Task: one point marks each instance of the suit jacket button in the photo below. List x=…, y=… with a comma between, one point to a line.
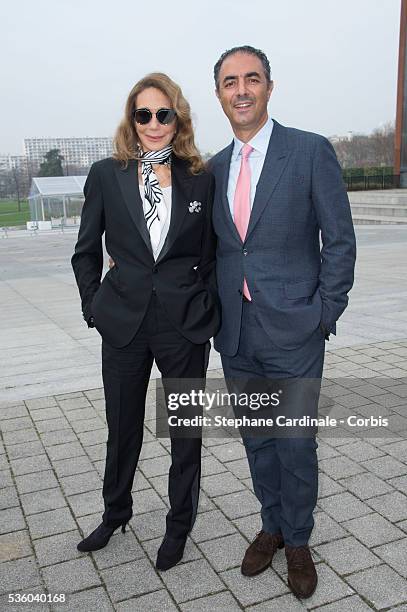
x=155, y=270
x=244, y=251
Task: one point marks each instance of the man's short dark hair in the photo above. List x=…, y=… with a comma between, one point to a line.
x=243, y=49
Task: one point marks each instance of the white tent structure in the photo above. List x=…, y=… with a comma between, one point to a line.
x=56, y=200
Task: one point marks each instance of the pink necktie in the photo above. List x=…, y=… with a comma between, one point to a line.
x=241, y=202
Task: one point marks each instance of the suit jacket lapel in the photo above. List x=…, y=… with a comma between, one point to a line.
x=276, y=160
x=128, y=181
x=224, y=172
x=181, y=194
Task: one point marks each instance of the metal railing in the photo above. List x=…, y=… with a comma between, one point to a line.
x=375, y=181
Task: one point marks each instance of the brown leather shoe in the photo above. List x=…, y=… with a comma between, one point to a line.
x=260, y=553
x=302, y=575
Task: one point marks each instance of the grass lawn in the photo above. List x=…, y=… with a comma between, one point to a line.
x=9, y=214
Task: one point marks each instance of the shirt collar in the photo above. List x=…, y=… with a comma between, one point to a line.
x=259, y=142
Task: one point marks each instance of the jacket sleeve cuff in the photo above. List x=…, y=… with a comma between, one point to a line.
x=88, y=317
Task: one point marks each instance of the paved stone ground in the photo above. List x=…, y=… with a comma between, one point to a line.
x=52, y=459
x=47, y=348
x=52, y=456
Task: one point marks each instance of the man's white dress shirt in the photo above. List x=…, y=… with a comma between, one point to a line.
x=260, y=143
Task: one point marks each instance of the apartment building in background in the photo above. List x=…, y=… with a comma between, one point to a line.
x=78, y=151
x=12, y=162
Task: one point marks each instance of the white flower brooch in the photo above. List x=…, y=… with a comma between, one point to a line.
x=195, y=207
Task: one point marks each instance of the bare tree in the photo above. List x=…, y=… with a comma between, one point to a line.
x=15, y=183
x=76, y=170
x=361, y=150
x=383, y=144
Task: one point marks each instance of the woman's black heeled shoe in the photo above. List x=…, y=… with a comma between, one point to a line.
x=98, y=538
x=170, y=553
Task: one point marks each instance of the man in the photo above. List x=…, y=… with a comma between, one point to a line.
x=277, y=190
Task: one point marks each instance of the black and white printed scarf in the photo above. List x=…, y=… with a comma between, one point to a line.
x=153, y=204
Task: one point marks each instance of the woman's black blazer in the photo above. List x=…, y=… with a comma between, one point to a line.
x=183, y=277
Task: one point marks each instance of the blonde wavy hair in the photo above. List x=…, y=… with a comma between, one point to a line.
x=125, y=143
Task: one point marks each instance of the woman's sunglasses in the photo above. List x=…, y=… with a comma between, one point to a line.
x=144, y=115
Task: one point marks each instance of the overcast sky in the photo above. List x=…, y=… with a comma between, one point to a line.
x=68, y=65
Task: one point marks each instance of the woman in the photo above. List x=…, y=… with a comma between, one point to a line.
x=153, y=202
